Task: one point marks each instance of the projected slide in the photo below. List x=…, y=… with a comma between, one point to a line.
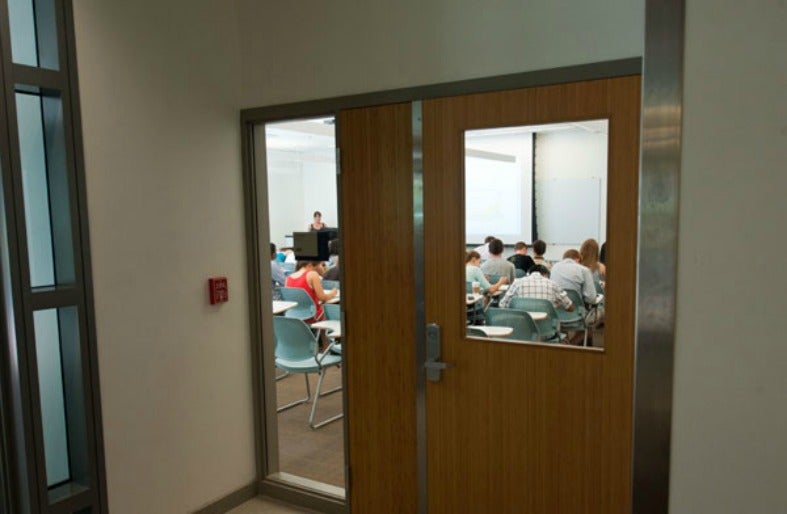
x=497, y=201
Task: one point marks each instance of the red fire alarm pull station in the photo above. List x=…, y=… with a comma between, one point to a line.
x=217, y=287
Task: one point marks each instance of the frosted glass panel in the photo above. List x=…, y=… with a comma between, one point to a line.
x=50, y=384
x=33, y=33
x=46, y=189
x=36, y=190
x=23, y=32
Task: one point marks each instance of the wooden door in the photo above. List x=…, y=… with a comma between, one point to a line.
x=537, y=429
x=376, y=182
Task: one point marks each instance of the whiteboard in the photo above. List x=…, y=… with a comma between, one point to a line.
x=567, y=210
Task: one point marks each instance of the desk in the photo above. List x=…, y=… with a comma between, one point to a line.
x=333, y=327
x=494, y=331
x=280, y=306
x=537, y=315
x=335, y=299
x=472, y=298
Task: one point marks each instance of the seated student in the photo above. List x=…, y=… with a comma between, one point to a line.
x=570, y=274
x=520, y=259
x=497, y=265
x=307, y=276
x=539, y=249
x=589, y=257
x=483, y=250
x=277, y=273
x=333, y=251
x=537, y=285
x=474, y=274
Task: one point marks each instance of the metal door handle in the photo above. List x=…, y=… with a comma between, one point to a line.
x=433, y=365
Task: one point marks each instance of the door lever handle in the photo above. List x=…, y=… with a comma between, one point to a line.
x=437, y=365
x=433, y=365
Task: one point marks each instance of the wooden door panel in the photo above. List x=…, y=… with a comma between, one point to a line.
x=529, y=428
x=376, y=183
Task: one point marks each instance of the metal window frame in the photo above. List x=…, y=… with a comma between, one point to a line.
x=27, y=489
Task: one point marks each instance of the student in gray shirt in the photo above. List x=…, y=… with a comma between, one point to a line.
x=570, y=274
x=496, y=264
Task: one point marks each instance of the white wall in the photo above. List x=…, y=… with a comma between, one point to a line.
x=159, y=95
x=296, y=52
x=571, y=154
x=285, y=199
x=298, y=186
x=730, y=423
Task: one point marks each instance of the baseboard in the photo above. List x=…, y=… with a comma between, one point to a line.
x=230, y=501
x=294, y=495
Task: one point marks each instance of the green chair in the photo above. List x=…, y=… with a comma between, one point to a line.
x=549, y=328
x=330, y=284
x=297, y=352
x=525, y=328
x=519, y=273
x=333, y=311
x=305, y=308
x=580, y=312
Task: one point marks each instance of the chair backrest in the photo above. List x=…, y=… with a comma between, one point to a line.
x=332, y=311
x=468, y=287
x=525, y=328
x=576, y=299
x=330, y=284
x=493, y=278
x=548, y=327
x=519, y=273
x=294, y=339
x=305, y=309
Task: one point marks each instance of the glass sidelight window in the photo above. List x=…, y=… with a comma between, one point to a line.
x=306, y=435
x=53, y=459
x=45, y=186
x=34, y=33
x=60, y=392
x=535, y=224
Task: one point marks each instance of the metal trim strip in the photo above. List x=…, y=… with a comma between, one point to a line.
x=660, y=154
x=420, y=305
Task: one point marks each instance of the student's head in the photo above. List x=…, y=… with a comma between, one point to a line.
x=309, y=266
x=602, y=254
x=572, y=254
x=540, y=269
x=489, y=239
x=333, y=247
x=317, y=216
x=472, y=257
x=589, y=253
x=539, y=247
x=520, y=247
x=496, y=247
x=273, y=251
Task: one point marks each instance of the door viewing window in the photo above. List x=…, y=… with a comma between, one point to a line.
x=535, y=225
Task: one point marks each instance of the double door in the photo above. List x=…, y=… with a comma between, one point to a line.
x=510, y=427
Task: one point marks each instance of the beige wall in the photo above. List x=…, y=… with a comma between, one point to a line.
x=342, y=47
x=730, y=422
x=159, y=84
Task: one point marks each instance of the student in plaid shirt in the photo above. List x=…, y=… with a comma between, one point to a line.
x=537, y=285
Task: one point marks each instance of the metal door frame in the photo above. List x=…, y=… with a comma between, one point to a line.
x=660, y=154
